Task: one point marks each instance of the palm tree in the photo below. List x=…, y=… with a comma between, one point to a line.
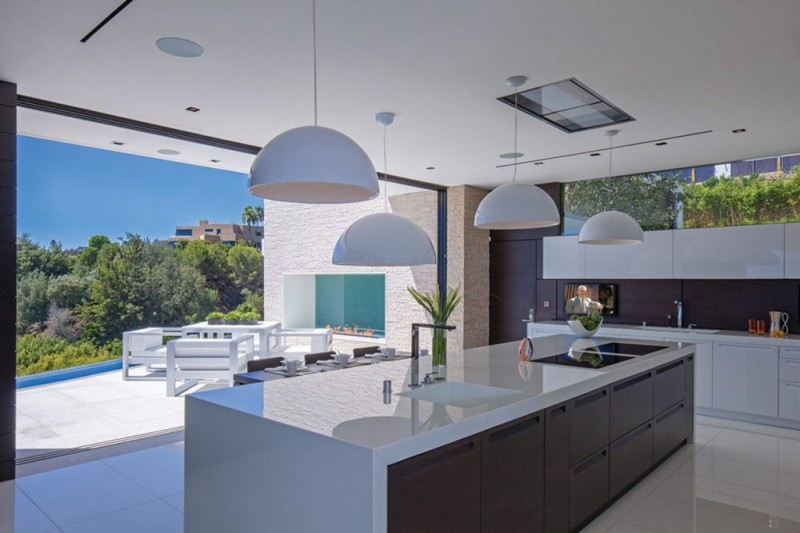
x=252, y=214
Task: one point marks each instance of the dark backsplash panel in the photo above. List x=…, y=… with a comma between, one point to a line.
x=716, y=304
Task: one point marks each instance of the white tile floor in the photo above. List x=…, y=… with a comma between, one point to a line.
x=736, y=477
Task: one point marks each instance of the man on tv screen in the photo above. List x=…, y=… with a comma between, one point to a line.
x=582, y=304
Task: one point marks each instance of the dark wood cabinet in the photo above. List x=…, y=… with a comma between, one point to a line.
x=437, y=491
x=669, y=385
x=669, y=431
x=588, y=424
x=630, y=457
x=556, y=469
x=512, y=476
x=631, y=404
x=551, y=471
x=588, y=488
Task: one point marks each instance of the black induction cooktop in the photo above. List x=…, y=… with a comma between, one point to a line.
x=601, y=355
x=590, y=358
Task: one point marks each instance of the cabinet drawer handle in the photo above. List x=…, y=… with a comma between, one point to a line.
x=667, y=368
x=635, y=433
x=513, y=430
x=445, y=456
x=632, y=382
x=589, y=462
x=558, y=411
x=793, y=385
x=590, y=399
x=792, y=361
x=678, y=408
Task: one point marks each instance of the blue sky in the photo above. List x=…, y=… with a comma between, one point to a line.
x=68, y=193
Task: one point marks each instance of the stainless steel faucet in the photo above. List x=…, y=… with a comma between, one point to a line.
x=679, y=318
x=415, y=348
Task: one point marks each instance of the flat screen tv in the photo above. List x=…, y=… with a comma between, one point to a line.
x=600, y=297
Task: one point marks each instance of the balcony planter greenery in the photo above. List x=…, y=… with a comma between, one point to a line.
x=215, y=318
x=234, y=318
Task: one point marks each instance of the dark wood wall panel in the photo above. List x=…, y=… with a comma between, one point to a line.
x=512, y=290
x=8, y=235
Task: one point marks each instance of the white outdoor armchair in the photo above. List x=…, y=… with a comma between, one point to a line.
x=146, y=347
x=193, y=360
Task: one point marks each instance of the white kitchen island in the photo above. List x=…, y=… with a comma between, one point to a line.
x=313, y=453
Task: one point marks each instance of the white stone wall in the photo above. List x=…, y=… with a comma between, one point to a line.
x=300, y=238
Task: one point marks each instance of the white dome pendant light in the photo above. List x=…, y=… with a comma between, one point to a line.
x=516, y=205
x=313, y=164
x=384, y=239
x=611, y=227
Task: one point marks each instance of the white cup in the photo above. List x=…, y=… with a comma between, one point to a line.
x=389, y=352
x=342, y=358
x=423, y=351
x=292, y=365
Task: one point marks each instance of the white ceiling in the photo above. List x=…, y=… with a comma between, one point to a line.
x=677, y=66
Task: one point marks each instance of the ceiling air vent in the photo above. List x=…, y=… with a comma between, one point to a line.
x=569, y=106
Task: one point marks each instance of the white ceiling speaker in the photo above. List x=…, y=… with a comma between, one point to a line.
x=384, y=239
x=312, y=164
x=516, y=205
x=611, y=227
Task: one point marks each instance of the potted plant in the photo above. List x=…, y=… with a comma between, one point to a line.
x=430, y=301
x=233, y=318
x=215, y=318
x=250, y=318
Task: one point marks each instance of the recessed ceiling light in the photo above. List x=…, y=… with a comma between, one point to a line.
x=168, y=151
x=662, y=143
x=117, y=143
x=176, y=46
x=594, y=154
x=739, y=130
x=538, y=163
x=193, y=109
x=430, y=168
x=512, y=155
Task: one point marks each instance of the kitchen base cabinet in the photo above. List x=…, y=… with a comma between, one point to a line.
x=512, y=462
x=588, y=488
x=631, y=404
x=556, y=469
x=630, y=458
x=588, y=424
x=746, y=378
x=437, y=491
x=669, y=431
x=789, y=387
x=669, y=384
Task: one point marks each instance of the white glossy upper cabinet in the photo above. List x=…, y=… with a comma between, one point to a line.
x=563, y=258
x=652, y=259
x=792, y=240
x=735, y=252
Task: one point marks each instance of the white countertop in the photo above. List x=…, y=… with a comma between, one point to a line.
x=637, y=331
x=348, y=405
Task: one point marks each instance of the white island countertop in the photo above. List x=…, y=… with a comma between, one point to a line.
x=349, y=405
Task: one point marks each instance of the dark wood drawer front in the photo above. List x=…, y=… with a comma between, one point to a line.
x=668, y=386
x=556, y=469
x=512, y=462
x=631, y=404
x=589, y=425
x=669, y=431
x=631, y=456
x=588, y=490
x=437, y=491
x=688, y=389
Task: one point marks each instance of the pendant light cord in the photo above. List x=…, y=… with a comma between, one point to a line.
x=610, y=154
x=314, y=32
x=385, y=167
x=516, y=154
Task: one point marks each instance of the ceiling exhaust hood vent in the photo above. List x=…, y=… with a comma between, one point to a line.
x=569, y=106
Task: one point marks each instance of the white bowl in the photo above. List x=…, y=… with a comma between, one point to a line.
x=581, y=331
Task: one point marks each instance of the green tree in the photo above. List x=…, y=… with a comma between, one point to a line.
x=211, y=260
x=246, y=267
x=69, y=291
x=32, y=301
x=91, y=252
x=652, y=199
x=31, y=257
x=253, y=215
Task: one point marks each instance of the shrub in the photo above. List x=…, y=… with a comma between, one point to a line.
x=43, y=353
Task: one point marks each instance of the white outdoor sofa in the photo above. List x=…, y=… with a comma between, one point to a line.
x=146, y=347
x=193, y=360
